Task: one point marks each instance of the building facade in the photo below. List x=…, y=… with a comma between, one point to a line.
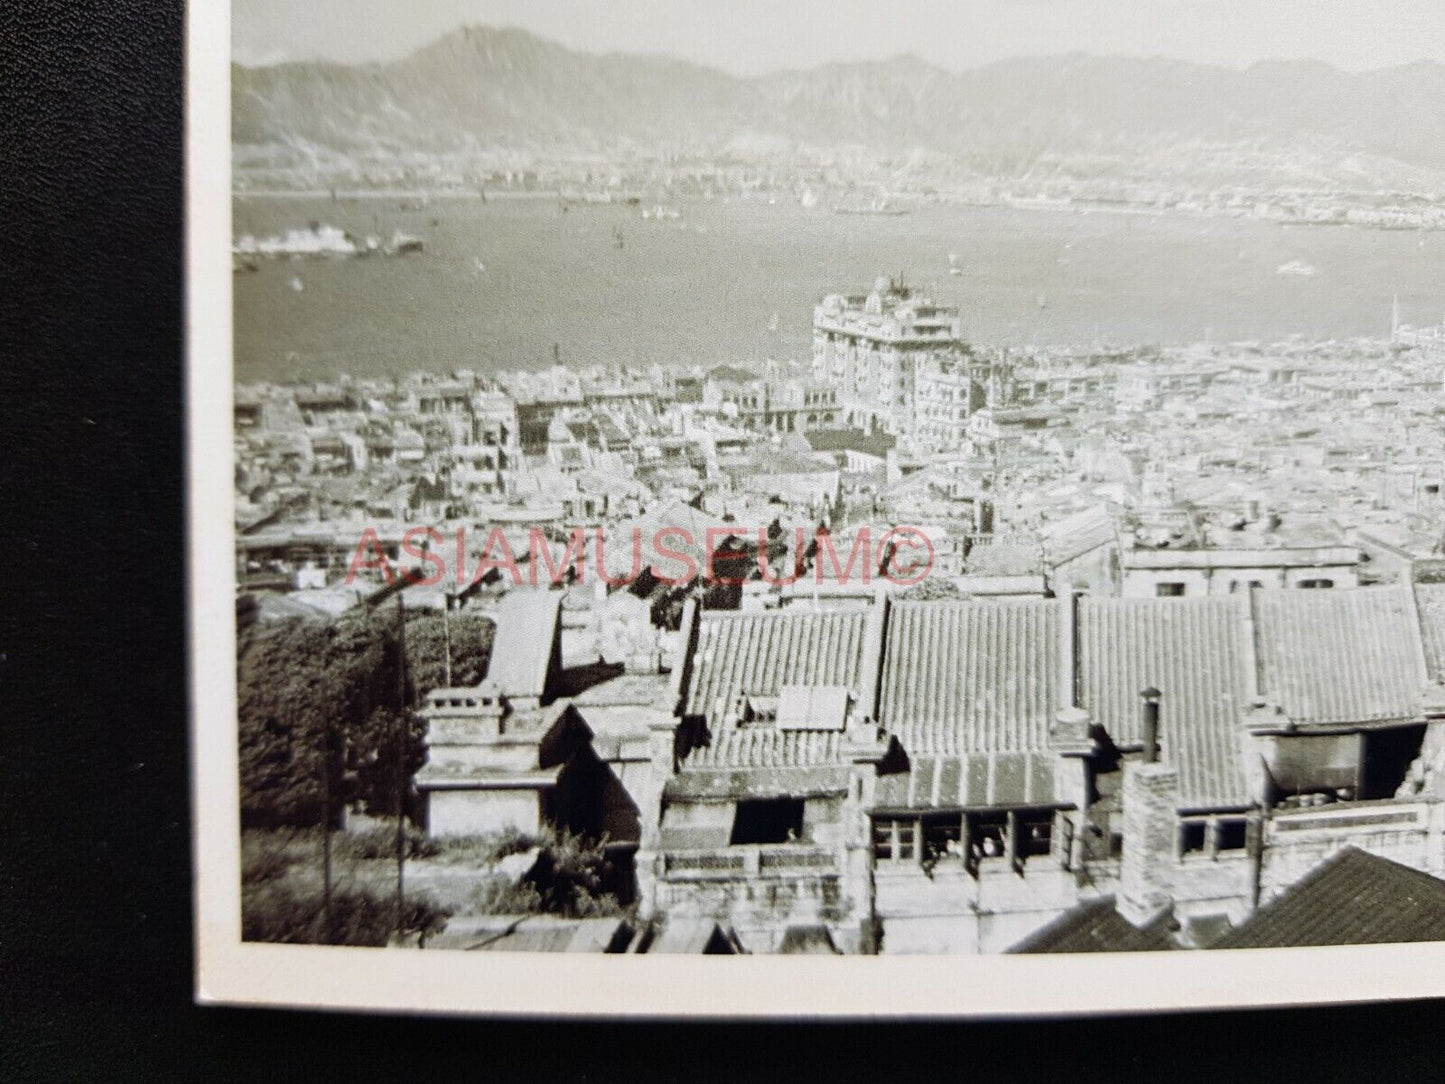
x=899, y=363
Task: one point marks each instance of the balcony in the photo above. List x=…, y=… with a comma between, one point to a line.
x=748, y=862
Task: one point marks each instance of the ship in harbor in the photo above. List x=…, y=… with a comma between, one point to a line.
x=879, y=206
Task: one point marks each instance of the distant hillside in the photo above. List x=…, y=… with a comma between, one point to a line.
x=480, y=92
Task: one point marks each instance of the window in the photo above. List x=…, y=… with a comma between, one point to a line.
x=1036, y=835
x=771, y=820
x=1213, y=836
x=1193, y=837
x=1316, y=584
x=1168, y=590
x=1233, y=834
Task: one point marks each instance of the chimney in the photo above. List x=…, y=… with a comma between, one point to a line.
x=1150, y=798
x=1151, y=724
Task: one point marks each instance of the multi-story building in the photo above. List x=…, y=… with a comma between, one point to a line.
x=954, y=776
x=899, y=363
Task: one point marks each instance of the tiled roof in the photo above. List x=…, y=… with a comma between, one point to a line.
x=1096, y=926
x=1348, y=656
x=765, y=747
x=840, y=440
x=807, y=941
x=759, y=653
x=1013, y=558
x=1078, y=534
x=527, y=624
x=1430, y=599
x=970, y=677
x=977, y=781
x=1194, y=652
x=1352, y=898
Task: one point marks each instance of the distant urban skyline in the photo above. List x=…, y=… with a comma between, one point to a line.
x=752, y=37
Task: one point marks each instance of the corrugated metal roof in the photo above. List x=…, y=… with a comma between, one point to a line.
x=760, y=653
x=971, y=677
x=1194, y=652
x=1352, y=898
x=1349, y=656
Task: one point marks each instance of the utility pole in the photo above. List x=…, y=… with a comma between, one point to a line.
x=447, y=636
x=326, y=835
x=399, y=754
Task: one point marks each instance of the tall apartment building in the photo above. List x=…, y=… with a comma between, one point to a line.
x=899, y=363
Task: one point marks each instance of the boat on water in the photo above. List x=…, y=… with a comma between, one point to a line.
x=879, y=206
x=402, y=243
x=953, y=268
x=659, y=213
x=809, y=199
x=774, y=324
x=318, y=241
x=1296, y=269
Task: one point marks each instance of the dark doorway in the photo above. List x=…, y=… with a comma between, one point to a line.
x=1386, y=757
x=771, y=820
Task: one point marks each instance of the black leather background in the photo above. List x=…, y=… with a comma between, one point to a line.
x=94, y=913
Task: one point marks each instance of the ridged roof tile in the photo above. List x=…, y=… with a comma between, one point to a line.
x=971, y=677
x=757, y=654
x=1351, y=656
x=1430, y=598
x=1194, y=652
x=765, y=747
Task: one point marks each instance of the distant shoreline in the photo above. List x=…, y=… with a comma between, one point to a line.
x=389, y=193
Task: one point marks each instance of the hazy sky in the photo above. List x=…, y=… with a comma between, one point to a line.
x=752, y=36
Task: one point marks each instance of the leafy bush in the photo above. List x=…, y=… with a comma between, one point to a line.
x=262, y=865
x=380, y=842
x=503, y=896
x=570, y=879
x=277, y=913
x=570, y=875
x=483, y=850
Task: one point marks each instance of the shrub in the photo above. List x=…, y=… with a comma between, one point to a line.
x=263, y=865
x=502, y=896
x=380, y=842
x=570, y=876
x=483, y=850
x=277, y=913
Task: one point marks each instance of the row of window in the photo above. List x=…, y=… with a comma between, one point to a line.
x=931, y=838
x=1174, y=589
x=1213, y=835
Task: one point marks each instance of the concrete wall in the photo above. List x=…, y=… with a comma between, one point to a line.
x=481, y=812
x=1230, y=579
x=953, y=912
x=1411, y=833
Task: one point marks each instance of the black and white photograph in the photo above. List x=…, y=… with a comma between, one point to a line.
x=961, y=483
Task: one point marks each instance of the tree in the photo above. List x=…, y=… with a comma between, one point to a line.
x=932, y=589
x=305, y=690
x=318, y=703
x=426, y=644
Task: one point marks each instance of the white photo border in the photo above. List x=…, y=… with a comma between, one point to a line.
x=231, y=972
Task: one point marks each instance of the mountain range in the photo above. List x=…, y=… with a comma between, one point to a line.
x=481, y=92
